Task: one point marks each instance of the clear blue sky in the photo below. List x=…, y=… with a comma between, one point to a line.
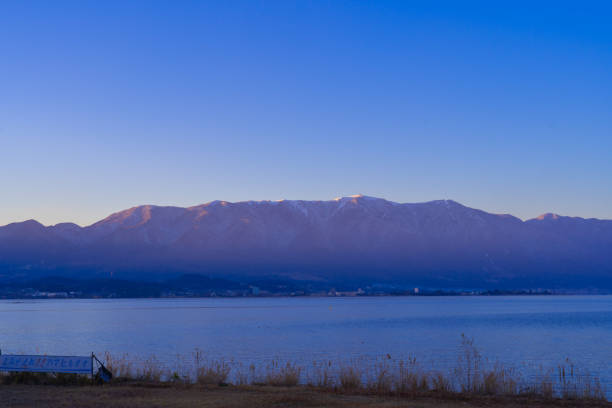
x=109, y=104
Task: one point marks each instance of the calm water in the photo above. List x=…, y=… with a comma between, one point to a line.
x=520, y=331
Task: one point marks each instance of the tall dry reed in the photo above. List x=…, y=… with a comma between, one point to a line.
x=471, y=375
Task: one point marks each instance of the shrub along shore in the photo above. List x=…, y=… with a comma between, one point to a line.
x=471, y=378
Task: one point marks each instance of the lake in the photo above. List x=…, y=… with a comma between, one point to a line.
x=525, y=332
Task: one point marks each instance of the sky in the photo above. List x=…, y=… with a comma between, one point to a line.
x=502, y=106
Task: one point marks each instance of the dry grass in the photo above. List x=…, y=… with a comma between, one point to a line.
x=120, y=366
x=350, y=378
x=287, y=375
x=208, y=372
x=576, y=385
x=215, y=374
x=410, y=378
x=499, y=381
x=472, y=377
x=441, y=384
x=322, y=375
x=151, y=370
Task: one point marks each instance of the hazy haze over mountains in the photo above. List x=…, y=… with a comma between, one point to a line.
x=440, y=244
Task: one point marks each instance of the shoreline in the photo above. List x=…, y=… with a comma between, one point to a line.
x=286, y=296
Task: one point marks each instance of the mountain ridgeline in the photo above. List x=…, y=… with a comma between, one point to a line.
x=355, y=240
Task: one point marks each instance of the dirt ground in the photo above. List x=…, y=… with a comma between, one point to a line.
x=136, y=396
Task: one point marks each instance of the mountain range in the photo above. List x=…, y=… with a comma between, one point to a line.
x=356, y=239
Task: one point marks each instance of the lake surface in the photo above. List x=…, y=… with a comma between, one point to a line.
x=520, y=331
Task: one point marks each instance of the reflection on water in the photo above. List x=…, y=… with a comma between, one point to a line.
x=534, y=330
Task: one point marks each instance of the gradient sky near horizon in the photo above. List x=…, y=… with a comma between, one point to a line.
x=503, y=106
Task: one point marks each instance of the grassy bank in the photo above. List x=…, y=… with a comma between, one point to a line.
x=472, y=375
x=166, y=395
x=387, y=381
